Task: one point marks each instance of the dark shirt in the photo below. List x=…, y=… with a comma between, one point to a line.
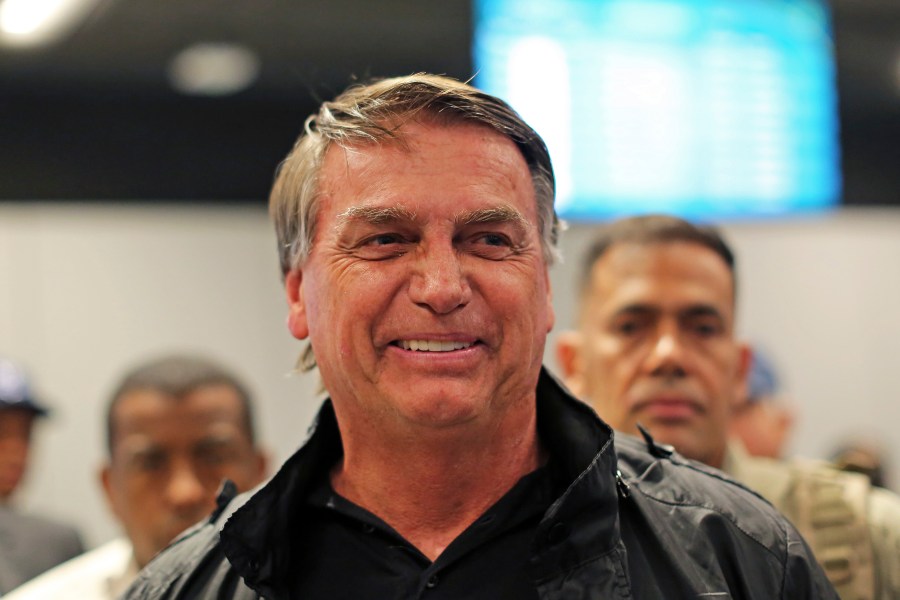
x=348, y=552
x=634, y=521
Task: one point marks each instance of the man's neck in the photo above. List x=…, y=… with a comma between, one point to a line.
x=431, y=489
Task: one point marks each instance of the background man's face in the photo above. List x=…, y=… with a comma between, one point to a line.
x=169, y=457
x=657, y=345
x=425, y=296
x=15, y=436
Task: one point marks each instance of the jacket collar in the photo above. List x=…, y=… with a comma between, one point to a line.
x=579, y=443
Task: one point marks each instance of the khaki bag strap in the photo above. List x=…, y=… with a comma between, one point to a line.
x=829, y=508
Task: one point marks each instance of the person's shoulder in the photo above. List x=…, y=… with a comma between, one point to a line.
x=829, y=496
x=84, y=577
x=702, y=514
x=190, y=563
x=42, y=524
x=180, y=560
x=697, y=515
x=659, y=469
x=44, y=533
x=884, y=526
x=884, y=511
x=847, y=519
x=662, y=475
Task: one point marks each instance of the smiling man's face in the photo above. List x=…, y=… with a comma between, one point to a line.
x=425, y=295
x=657, y=347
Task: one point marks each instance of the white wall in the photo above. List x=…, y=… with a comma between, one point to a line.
x=90, y=289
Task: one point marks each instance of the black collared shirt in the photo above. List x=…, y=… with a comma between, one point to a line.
x=344, y=551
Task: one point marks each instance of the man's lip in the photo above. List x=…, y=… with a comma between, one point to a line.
x=669, y=408
x=435, y=343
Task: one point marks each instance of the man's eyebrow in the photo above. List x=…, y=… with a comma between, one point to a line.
x=218, y=437
x=693, y=310
x=702, y=310
x=495, y=214
x=376, y=215
x=136, y=449
x=636, y=308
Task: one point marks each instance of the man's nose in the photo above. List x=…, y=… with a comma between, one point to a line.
x=667, y=356
x=185, y=490
x=438, y=281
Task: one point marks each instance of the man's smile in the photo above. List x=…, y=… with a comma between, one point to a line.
x=432, y=345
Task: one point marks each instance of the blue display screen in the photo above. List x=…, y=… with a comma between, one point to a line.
x=704, y=108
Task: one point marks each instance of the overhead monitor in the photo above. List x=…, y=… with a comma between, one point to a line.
x=706, y=108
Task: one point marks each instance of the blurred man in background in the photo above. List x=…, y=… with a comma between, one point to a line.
x=176, y=428
x=656, y=347
x=763, y=422
x=29, y=545
x=762, y=426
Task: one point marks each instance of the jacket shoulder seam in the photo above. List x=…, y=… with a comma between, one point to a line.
x=729, y=518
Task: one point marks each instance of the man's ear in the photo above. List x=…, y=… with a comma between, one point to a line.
x=109, y=491
x=296, y=321
x=551, y=314
x=742, y=376
x=569, y=357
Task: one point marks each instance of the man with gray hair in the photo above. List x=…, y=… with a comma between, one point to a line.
x=416, y=226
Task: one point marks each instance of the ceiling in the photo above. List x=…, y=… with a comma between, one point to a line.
x=94, y=116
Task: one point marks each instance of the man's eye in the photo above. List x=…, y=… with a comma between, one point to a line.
x=215, y=456
x=494, y=239
x=706, y=329
x=381, y=246
x=384, y=239
x=627, y=328
x=149, y=462
x=490, y=245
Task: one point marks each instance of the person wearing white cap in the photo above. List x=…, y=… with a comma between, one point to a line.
x=29, y=545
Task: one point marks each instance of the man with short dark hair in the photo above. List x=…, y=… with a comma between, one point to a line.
x=29, y=545
x=177, y=427
x=656, y=347
x=415, y=224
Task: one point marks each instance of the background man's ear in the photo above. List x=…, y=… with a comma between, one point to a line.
x=742, y=377
x=296, y=321
x=109, y=491
x=569, y=345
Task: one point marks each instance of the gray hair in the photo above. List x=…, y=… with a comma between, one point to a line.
x=374, y=112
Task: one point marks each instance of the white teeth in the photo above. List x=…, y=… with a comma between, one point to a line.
x=432, y=345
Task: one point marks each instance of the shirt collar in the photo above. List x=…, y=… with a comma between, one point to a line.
x=580, y=444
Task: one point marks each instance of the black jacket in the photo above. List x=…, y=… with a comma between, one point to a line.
x=637, y=521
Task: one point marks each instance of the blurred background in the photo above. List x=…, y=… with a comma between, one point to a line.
x=138, y=139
